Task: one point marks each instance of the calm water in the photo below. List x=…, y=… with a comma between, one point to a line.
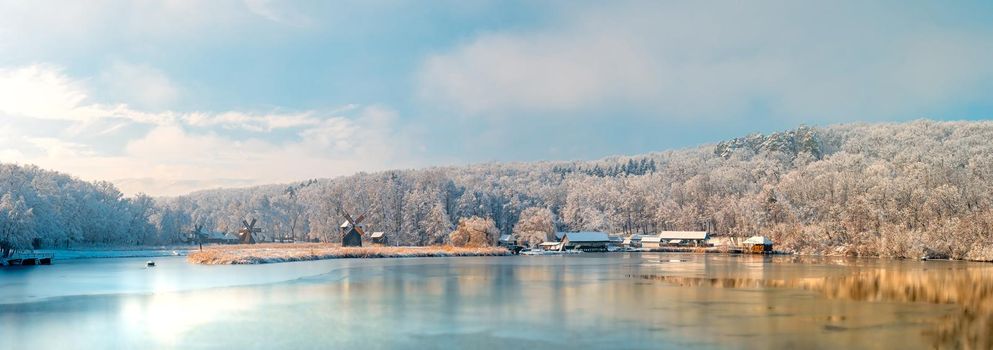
x=596, y=301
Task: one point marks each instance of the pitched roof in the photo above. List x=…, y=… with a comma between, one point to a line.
x=651, y=239
x=758, y=240
x=586, y=236
x=378, y=234
x=217, y=235
x=691, y=235
x=506, y=238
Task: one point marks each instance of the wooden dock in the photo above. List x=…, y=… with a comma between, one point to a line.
x=28, y=259
x=720, y=250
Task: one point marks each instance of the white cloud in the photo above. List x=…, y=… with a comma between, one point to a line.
x=252, y=122
x=280, y=13
x=59, y=149
x=696, y=59
x=39, y=90
x=188, y=151
x=139, y=85
x=46, y=92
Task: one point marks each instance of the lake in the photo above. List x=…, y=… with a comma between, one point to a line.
x=582, y=301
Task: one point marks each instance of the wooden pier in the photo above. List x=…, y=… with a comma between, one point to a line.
x=28, y=259
x=720, y=250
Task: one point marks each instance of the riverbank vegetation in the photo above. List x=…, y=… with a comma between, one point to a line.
x=272, y=253
x=914, y=189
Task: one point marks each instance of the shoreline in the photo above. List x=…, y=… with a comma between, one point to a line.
x=274, y=253
x=112, y=253
x=288, y=252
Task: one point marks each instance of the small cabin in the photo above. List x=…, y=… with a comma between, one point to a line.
x=757, y=244
x=379, y=238
x=507, y=241
x=220, y=238
x=584, y=241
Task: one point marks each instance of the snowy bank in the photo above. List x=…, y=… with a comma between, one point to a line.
x=274, y=253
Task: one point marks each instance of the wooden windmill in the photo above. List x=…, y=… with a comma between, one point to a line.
x=351, y=230
x=197, y=236
x=246, y=235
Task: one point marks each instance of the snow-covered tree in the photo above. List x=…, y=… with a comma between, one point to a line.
x=535, y=226
x=436, y=224
x=16, y=225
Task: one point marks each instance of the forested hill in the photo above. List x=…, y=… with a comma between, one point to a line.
x=904, y=189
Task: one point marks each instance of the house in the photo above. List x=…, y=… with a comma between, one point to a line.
x=507, y=241
x=379, y=238
x=220, y=237
x=757, y=244
x=584, y=241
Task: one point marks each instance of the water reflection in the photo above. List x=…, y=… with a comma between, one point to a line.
x=970, y=289
x=587, y=301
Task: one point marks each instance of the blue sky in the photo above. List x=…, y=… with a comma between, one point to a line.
x=166, y=97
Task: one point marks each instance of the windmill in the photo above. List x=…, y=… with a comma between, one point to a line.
x=246, y=234
x=351, y=230
x=196, y=236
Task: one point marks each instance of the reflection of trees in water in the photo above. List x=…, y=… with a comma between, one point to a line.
x=970, y=289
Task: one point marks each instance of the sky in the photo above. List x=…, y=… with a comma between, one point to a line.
x=168, y=97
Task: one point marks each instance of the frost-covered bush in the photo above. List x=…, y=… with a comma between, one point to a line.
x=474, y=232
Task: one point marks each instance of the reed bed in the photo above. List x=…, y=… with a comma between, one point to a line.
x=276, y=252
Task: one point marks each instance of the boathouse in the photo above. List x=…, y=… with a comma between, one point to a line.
x=507, y=241
x=584, y=241
x=634, y=241
x=682, y=238
x=650, y=242
x=616, y=241
x=757, y=244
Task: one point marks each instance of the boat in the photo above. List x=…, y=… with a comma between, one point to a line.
x=150, y=264
x=548, y=252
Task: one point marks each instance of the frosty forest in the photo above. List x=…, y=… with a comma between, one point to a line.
x=901, y=190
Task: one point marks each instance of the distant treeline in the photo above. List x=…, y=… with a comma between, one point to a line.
x=906, y=189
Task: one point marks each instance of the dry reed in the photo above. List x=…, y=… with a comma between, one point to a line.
x=276, y=252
